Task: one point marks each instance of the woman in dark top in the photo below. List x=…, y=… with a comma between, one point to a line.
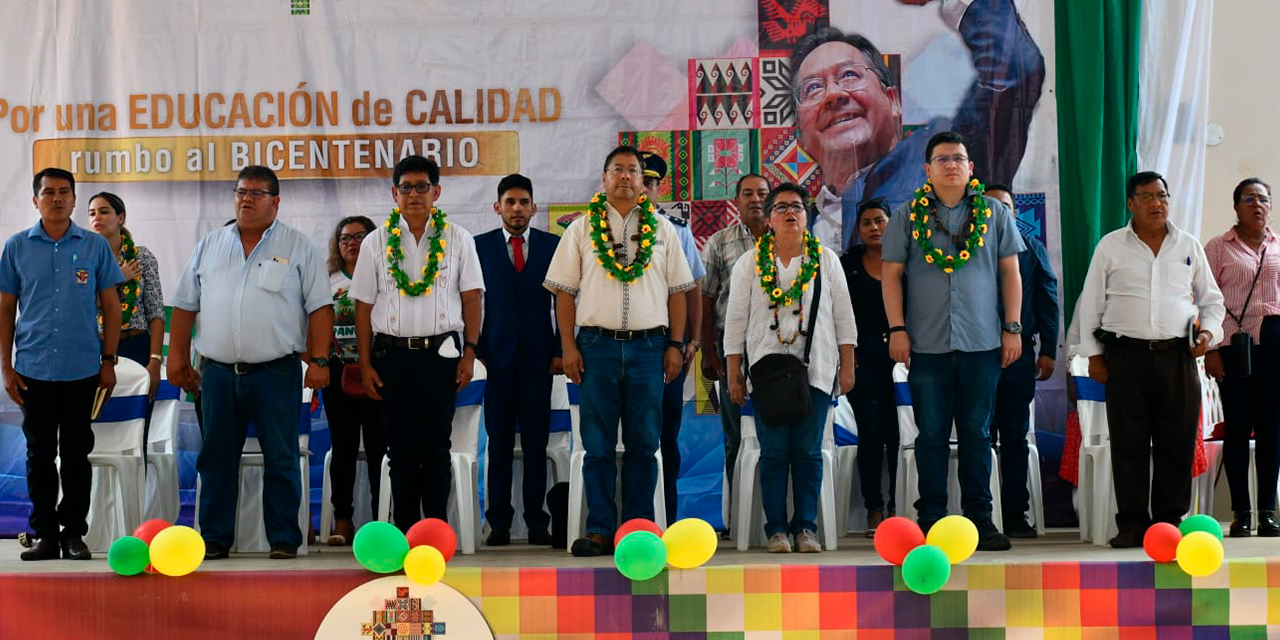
x=872, y=398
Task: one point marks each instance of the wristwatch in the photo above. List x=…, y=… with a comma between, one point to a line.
x=474, y=347
x=1012, y=327
x=112, y=358
x=320, y=362
x=679, y=346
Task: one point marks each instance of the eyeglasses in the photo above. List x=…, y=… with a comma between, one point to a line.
x=1147, y=196
x=946, y=160
x=421, y=187
x=619, y=171
x=787, y=207
x=850, y=77
x=348, y=238
x=252, y=194
x=1262, y=200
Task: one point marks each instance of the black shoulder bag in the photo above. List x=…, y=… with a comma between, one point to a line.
x=780, y=381
x=1238, y=357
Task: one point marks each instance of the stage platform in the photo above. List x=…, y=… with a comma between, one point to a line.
x=1051, y=588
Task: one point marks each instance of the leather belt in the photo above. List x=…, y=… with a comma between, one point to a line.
x=625, y=334
x=1153, y=345
x=413, y=343
x=242, y=368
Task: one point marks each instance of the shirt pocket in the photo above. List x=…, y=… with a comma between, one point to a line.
x=1177, y=276
x=272, y=275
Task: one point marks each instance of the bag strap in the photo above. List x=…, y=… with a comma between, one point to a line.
x=1262, y=261
x=813, y=310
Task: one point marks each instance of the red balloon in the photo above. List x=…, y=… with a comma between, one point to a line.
x=896, y=537
x=433, y=532
x=635, y=524
x=1161, y=542
x=148, y=530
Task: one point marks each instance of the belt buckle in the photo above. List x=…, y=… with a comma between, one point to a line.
x=421, y=345
x=617, y=335
x=235, y=367
x=1151, y=344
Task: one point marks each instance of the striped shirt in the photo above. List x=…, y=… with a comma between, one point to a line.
x=1234, y=265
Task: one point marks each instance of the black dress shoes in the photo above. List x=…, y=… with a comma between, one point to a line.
x=44, y=549
x=539, y=538
x=74, y=548
x=498, y=538
x=1267, y=525
x=1240, y=527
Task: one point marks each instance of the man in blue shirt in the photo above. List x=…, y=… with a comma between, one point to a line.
x=655, y=169
x=58, y=275
x=1017, y=388
x=267, y=293
x=951, y=335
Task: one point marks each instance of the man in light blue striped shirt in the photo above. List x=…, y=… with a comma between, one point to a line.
x=267, y=294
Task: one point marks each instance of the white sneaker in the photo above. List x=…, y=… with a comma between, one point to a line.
x=807, y=542
x=779, y=543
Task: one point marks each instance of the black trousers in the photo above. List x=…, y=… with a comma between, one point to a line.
x=1153, y=409
x=418, y=396
x=877, y=414
x=1251, y=407
x=1009, y=425
x=348, y=418
x=519, y=395
x=56, y=423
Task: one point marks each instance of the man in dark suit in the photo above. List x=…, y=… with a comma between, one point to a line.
x=520, y=349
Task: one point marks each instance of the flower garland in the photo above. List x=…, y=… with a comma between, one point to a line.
x=598, y=229
x=922, y=207
x=767, y=269
x=129, y=290
x=435, y=253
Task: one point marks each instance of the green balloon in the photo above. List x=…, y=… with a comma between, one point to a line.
x=1201, y=522
x=128, y=556
x=641, y=555
x=926, y=569
x=380, y=547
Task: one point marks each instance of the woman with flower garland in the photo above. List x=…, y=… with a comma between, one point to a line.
x=141, y=298
x=769, y=312
x=349, y=414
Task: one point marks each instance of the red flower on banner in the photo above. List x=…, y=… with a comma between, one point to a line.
x=727, y=153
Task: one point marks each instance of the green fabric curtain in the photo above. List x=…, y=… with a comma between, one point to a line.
x=1097, y=44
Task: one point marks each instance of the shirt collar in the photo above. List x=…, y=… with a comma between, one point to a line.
x=37, y=231
x=1171, y=228
x=507, y=235
x=1231, y=235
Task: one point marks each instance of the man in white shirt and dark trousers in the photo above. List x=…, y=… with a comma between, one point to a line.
x=1149, y=308
x=418, y=289
x=620, y=277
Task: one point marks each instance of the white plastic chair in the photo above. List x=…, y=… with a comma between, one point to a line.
x=251, y=531
x=116, y=459
x=464, y=496
x=845, y=427
x=749, y=526
x=160, y=488
x=1095, y=490
x=577, y=521
x=908, y=476
x=558, y=445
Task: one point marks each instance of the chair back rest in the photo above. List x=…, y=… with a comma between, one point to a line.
x=907, y=429
x=1091, y=404
x=846, y=425
x=122, y=418
x=466, y=413
x=561, y=420
x=164, y=417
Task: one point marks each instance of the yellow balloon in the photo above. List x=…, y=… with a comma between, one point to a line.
x=424, y=564
x=177, y=551
x=956, y=536
x=690, y=543
x=1200, y=553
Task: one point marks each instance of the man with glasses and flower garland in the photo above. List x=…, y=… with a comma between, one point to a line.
x=849, y=111
x=620, y=278
x=418, y=289
x=265, y=298
x=953, y=244
x=1149, y=307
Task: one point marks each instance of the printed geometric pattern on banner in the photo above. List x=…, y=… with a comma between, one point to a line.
x=675, y=147
x=299, y=7
x=720, y=158
x=1030, y=215
x=561, y=214
x=776, y=106
x=783, y=23
x=1051, y=600
x=782, y=160
x=724, y=93
x=710, y=216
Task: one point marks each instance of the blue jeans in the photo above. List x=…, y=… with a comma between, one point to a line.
x=268, y=397
x=797, y=447
x=957, y=387
x=622, y=380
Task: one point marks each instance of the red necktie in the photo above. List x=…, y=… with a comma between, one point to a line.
x=517, y=252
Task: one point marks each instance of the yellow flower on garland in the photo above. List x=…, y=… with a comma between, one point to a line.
x=777, y=292
x=644, y=243
x=947, y=270
x=395, y=232
x=981, y=242
x=912, y=217
x=767, y=278
x=124, y=307
x=973, y=183
x=924, y=202
x=984, y=228
x=645, y=228
x=964, y=255
x=915, y=235
x=928, y=258
x=928, y=188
